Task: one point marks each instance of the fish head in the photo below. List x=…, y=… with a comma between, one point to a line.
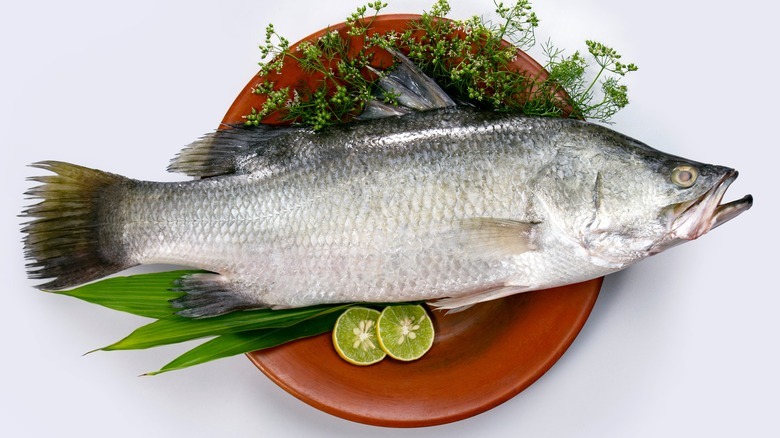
x=626, y=201
x=672, y=199
x=697, y=206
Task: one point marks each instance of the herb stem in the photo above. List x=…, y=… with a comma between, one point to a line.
x=593, y=82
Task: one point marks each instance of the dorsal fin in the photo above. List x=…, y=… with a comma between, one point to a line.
x=412, y=89
x=408, y=79
x=376, y=109
x=220, y=152
x=217, y=153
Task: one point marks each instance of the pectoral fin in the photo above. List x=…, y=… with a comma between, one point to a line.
x=457, y=304
x=498, y=237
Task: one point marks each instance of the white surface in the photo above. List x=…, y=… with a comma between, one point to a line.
x=684, y=344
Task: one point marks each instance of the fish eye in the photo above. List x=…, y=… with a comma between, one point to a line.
x=684, y=176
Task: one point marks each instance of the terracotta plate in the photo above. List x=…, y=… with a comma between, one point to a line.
x=481, y=357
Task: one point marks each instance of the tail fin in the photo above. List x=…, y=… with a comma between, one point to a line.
x=62, y=241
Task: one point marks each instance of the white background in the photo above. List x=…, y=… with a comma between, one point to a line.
x=683, y=344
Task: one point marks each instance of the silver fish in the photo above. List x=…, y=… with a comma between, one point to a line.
x=453, y=206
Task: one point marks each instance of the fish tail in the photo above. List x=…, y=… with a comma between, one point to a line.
x=62, y=241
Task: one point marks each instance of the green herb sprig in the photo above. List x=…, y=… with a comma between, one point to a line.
x=469, y=58
x=344, y=84
x=569, y=73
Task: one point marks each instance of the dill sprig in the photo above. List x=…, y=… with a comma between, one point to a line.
x=570, y=72
x=469, y=58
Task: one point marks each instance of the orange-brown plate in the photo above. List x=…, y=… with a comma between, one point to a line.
x=480, y=358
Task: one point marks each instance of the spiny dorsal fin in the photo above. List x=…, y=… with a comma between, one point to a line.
x=217, y=153
x=413, y=90
x=412, y=80
x=376, y=109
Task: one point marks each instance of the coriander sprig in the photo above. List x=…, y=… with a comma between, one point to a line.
x=343, y=82
x=468, y=58
x=519, y=23
x=570, y=73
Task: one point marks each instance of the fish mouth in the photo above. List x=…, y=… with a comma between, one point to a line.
x=699, y=216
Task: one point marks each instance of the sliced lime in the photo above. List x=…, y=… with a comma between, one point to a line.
x=405, y=332
x=354, y=336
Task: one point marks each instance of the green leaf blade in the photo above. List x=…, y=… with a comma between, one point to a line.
x=143, y=294
x=245, y=342
x=173, y=328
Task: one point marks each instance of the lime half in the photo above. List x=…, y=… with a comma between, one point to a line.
x=405, y=332
x=354, y=336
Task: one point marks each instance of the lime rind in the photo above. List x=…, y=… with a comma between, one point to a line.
x=405, y=332
x=355, y=338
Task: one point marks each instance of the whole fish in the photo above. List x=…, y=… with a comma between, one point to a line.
x=453, y=206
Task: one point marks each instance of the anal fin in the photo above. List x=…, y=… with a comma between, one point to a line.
x=207, y=295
